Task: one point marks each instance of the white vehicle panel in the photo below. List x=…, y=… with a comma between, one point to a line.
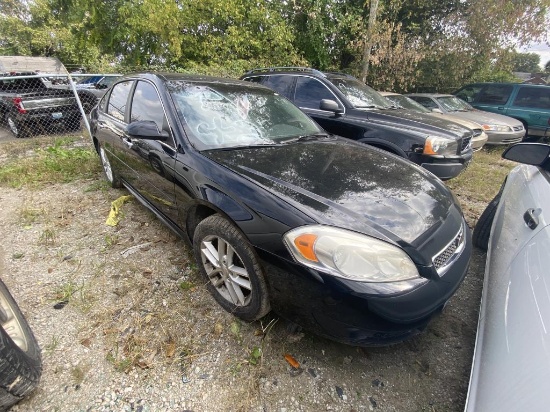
x=511, y=369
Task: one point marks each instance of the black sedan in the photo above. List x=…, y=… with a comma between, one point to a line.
x=346, y=240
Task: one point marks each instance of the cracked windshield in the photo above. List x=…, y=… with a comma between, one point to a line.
x=361, y=95
x=228, y=117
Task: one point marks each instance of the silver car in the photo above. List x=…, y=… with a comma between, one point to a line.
x=511, y=366
x=404, y=102
x=501, y=130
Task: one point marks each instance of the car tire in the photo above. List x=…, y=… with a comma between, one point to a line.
x=16, y=128
x=237, y=283
x=20, y=360
x=110, y=174
x=482, y=230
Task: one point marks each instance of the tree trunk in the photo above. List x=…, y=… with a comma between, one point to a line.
x=367, y=46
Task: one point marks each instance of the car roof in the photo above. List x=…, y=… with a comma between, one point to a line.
x=198, y=78
x=431, y=94
x=299, y=70
x=389, y=93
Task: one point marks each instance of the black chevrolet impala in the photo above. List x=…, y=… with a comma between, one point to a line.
x=343, y=239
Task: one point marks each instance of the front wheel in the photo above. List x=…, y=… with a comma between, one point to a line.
x=230, y=266
x=482, y=230
x=20, y=361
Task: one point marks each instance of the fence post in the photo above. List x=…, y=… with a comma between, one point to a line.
x=73, y=88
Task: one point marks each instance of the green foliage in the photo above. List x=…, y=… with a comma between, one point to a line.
x=525, y=62
x=54, y=164
x=410, y=44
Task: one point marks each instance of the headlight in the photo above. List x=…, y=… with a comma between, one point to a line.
x=349, y=255
x=440, y=146
x=496, y=127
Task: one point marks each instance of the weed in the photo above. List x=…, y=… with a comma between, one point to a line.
x=111, y=240
x=29, y=215
x=47, y=237
x=185, y=285
x=78, y=375
x=18, y=255
x=52, y=345
x=66, y=291
x=255, y=355
x=99, y=185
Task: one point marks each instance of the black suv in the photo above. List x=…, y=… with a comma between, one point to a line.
x=343, y=105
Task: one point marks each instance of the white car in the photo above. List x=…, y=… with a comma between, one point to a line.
x=511, y=365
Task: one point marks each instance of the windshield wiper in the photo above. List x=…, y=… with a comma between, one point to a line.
x=307, y=137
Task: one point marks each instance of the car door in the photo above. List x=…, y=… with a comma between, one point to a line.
x=531, y=105
x=494, y=98
x=111, y=124
x=308, y=94
x=513, y=340
x=151, y=161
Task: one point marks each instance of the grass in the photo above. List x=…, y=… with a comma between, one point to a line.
x=482, y=179
x=41, y=161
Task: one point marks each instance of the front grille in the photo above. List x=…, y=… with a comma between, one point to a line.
x=466, y=142
x=517, y=128
x=445, y=257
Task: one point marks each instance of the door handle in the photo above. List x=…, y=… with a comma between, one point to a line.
x=500, y=108
x=531, y=218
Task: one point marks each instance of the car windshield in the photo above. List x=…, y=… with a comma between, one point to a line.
x=360, y=95
x=219, y=115
x=407, y=103
x=454, y=104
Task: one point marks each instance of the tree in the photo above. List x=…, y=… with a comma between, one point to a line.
x=525, y=62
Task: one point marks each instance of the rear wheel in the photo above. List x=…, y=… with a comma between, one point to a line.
x=16, y=128
x=110, y=173
x=20, y=361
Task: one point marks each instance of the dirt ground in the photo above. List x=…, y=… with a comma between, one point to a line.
x=125, y=324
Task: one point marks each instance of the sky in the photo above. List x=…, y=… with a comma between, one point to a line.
x=542, y=49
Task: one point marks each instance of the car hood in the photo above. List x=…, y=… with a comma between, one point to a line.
x=482, y=117
x=346, y=184
x=470, y=124
x=421, y=123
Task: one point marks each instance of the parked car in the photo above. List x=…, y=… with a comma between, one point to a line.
x=501, y=130
x=404, y=102
x=28, y=106
x=341, y=238
x=343, y=105
x=20, y=357
x=511, y=367
x=528, y=103
x=100, y=87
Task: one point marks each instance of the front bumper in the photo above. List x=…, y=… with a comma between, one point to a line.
x=351, y=312
x=504, y=138
x=444, y=167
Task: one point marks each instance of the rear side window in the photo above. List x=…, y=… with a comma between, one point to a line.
x=469, y=93
x=494, y=94
x=310, y=92
x=425, y=101
x=119, y=99
x=537, y=97
x=281, y=84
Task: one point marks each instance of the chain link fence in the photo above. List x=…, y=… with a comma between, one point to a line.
x=49, y=104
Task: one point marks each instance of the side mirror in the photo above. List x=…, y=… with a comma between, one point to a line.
x=331, y=106
x=536, y=154
x=435, y=110
x=147, y=130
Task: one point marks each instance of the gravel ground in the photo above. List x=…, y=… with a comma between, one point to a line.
x=125, y=324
